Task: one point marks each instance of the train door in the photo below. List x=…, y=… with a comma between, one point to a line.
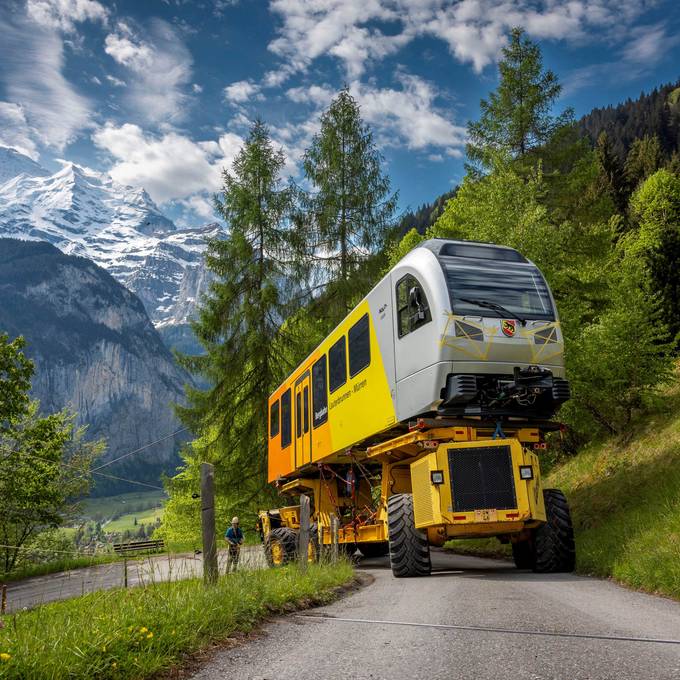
x=303, y=430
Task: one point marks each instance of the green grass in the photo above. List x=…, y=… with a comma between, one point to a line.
x=127, y=522
x=105, y=507
x=138, y=632
x=29, y=570
x=624, y=495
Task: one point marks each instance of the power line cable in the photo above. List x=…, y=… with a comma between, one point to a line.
x=141, y=448
x=94, y=472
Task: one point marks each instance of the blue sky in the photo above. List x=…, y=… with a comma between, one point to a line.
x=160, y=92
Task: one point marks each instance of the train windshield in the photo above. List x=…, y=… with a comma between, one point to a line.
x=502, y=290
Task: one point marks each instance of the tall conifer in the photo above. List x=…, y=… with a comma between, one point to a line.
x=350, y=208
x=517, y=117
x=240, y=318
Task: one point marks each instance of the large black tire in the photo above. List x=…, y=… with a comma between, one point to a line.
x=523, y=554
x=409, y=549
x=280, y=546
x=376, y=549
x=554, y=548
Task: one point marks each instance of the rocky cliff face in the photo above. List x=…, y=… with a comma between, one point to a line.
x=96, y=351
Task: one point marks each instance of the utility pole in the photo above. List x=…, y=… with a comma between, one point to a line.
x=303, y=546
x=208, y=523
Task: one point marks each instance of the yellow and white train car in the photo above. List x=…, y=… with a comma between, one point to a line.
x=455, y=329
x=415, y=420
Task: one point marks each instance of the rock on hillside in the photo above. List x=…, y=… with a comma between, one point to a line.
x=95, y=350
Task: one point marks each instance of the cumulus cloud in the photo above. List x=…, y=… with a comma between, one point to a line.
x=159, y=66
x=14, y=130
x=169, y=166
x=407, y=115
x=32, y=61
x=63, y=14
x=358, y=32
x=242, y=91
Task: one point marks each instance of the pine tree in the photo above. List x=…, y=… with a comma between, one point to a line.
x=350, y=209
x=644, y=159
x=240, y=319
x=611, y=177
x=517, y=117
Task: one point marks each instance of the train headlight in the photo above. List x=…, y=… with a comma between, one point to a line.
x=437, y=476
x=526, y=472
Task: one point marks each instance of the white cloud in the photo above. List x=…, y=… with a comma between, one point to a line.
x=32, y=61
x=648, y=44
x=242, y=91
x=116, y=82
x=160, y=69
x=170, y=166
x=405, y=116
x=95, y=80
x=63, y=14
x=200, y=205
x=354, y=31
x=197, y=88
x=14, y=130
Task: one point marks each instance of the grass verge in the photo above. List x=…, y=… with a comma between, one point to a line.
x=624, y=495
x=29, y=570
x=138, y=632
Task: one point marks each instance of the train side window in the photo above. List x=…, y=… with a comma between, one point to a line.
x=298, y=414
x=286, y=429
x=413, y=310
x=319, y=392
x=305, y=409
x=337, y=364
x=274, y=419
x=359, y=341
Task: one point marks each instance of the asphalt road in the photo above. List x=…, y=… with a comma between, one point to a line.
x=63, y=585
x=465, y=591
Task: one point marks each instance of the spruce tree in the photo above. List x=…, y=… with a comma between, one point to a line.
x=611, y=177
x=517, y=117
x=240, y=319
x=350, y=208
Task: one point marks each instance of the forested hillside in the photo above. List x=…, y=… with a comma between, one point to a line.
x=656, y=114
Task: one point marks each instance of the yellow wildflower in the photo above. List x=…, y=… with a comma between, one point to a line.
x=4, y=656
x=143, y=629
x=149, y=636
x=114, y=665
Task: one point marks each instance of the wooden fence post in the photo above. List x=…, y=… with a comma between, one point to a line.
x=208, y=523
x=303, y=537
x=334, y=537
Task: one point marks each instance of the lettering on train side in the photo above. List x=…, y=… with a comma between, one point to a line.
x=346, y=395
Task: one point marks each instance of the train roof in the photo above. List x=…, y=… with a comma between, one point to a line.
x=445, y=248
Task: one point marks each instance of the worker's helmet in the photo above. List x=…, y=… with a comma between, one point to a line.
x=234, y=520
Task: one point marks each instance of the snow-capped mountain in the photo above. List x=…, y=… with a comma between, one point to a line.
x=84, y=212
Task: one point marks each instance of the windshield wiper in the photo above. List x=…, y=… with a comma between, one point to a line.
x=495, y=306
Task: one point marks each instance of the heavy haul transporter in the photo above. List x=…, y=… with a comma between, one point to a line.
x=418, y=418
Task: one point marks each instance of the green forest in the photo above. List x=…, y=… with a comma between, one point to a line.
x=594, y=203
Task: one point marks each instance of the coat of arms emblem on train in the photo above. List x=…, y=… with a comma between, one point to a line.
x=508, y=327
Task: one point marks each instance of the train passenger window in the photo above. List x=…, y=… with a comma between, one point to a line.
x=298, y=414
x=274, y=419
x=337, y=364
x=413, y=310
x=359, y=341
x=319, y=392
x=285, y=419
x=305, y=409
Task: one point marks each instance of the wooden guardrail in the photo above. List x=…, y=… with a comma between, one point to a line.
x=138, y=546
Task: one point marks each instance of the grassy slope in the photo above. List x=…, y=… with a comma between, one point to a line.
x=138, y=632
x=625, y=499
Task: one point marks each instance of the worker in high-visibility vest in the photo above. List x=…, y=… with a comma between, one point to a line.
x=234, y=538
